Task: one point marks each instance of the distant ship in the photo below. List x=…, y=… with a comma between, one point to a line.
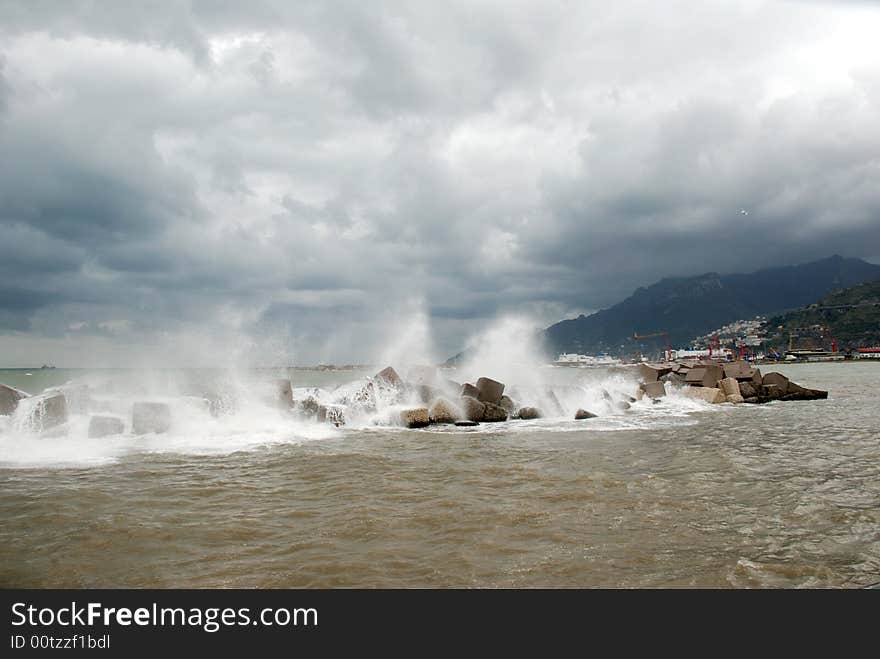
x=584, y=361
x=46, y=368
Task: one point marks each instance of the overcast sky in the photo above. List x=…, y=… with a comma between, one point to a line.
x=185, y=181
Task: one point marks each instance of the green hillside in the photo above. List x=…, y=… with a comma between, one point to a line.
x=851, y=316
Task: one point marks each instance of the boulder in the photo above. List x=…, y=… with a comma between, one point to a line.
x=640, y=392
x=389, y=377
x=739, y=370
x=467, y=389
x=527, y=413
x=472, y=409
x=49, y=410
x=797, y=392
x=102, y=426
x=416, y=417
x=308, y=406
x=707, y=394
x=777, y=379
x=442, y=411
x=583, y=414
x=735, y=399
x=705, y=376
x=334, y=414
x=653, y=372
x=748, y=389
x=9, y=397
x=78, y=397
x=655, y=390
x=150, y=417
x=466, y=424
x=490, y=390
x=493, y=413
x=363, y=394
x=752, y=400
x=674, y=378
x=771, y=392
x=756, y=376
x=507, y=403
x=284, y=393
x=730, y=387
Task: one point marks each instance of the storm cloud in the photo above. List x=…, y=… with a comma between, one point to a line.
x=295, y=182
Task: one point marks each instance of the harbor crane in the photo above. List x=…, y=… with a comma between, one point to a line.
x=639, y=337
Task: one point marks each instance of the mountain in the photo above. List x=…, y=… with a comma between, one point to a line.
x=852, y=317
x=687, y=307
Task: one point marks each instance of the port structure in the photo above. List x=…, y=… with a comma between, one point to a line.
x=665, y=335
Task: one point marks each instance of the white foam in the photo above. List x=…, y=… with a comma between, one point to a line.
x=249, y=418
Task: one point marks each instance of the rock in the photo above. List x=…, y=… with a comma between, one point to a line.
x=389, y=377
x=707, y=394
x=284, y=393
x=334, y=414
x=442, y=411
x=705, y=376
x=739, y=370
x=777, y=379
x=416, y=417
x=653, y=372
x=507, y=403
x=640, y=393
x=47, y=410
x=490, y=390
x=674, y=378
x=78, y=397
x=748, y=389
x=583, y=414
x=493, y=413
x=735, y=399
x=466, y=424
x=9, y=397
x=308, y=406
x=655, y=390
x=526, y=413
x=771, y=392
x=756, y=376
x=472, y=409
x=622, y=405
x=730, y=387
x=752, y=400
x=606, y=395
x=797, y=392
x=150, y=417
x=467, y=389
x=363, y=394
x=102, y=426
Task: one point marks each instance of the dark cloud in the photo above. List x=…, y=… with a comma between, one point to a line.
x=319, y=176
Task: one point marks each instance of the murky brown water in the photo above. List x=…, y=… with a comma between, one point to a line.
x=783, y=495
